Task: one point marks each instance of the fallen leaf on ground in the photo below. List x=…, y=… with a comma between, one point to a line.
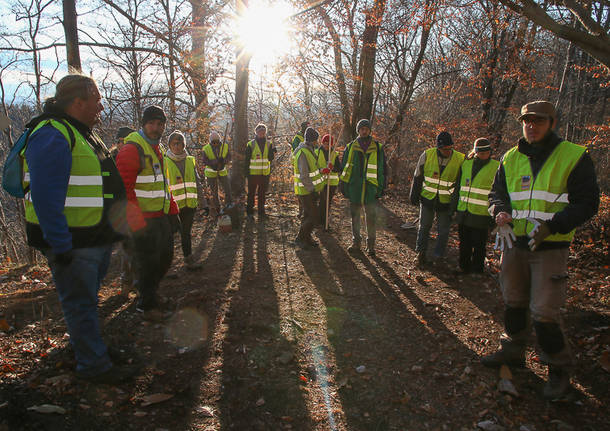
x=47, y=408
x=155, y=398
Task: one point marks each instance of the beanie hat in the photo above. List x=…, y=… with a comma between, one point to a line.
x=363, y=123
x=443, y=139
x=214, y=136
x=153, y=112
x=311, y=135
x=260, y=126
x=482, y=144
x=123, y=132
x=329, y=139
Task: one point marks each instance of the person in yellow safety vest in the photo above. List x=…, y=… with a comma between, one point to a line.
x=545, y=188
x=216, y=156
x=363, y=182
x=75, y=211
x=433, y=183
x=470, y=197
x=307, y=183
x=296, y=141
x=300, y=136
x=330, y=167
x=185, y=185
x=152, y=213
x=259, y=155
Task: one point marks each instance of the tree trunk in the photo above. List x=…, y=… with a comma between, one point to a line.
x=241, y=112
x=71, y=32
x=363, y=100
x=197, y=65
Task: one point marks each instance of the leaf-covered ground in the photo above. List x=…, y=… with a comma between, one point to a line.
x=269, y=337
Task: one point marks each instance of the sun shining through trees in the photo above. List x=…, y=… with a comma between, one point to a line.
x=264, y=30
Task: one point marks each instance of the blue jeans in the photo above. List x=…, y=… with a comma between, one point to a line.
x=426, y=218
x=78, y=284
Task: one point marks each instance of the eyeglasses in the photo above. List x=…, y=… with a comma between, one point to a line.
x=535, y=120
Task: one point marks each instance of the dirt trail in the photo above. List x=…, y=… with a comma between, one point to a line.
x=268, y=337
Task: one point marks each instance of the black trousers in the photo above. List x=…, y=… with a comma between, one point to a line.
x=310, y=217
x=472, y=248
x=153, y=252
x=257, y=185
x=186, y=224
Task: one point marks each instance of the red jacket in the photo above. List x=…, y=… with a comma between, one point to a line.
x=128, y=164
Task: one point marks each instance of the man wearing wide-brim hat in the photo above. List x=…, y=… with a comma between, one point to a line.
x=544, y=189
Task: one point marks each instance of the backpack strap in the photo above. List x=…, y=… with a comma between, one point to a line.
x=141, y=154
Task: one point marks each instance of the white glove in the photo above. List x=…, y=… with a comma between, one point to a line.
x=505, y=237
x=538, y=233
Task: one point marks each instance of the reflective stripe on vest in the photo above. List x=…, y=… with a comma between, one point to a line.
x=442, y=185
x=209, y=153
x=259, y=163
x=474, y=191
x=183, y=189
x=84, y=204
x=151, y=188
x=332, y=176
x=543, y=195
x=371, y=162
x=314, y=173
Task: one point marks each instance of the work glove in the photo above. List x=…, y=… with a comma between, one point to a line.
x=326, y=171
x=330, y=166
x=64, y=258
x=505, y=237
x=539, y=232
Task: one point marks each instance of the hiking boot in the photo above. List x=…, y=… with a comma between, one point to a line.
x=370, y=250
x=113, y=376
x=191, y=264
x=503, y=357
x=557, y=384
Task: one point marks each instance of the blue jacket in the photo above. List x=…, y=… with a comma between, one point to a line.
x=49, y=160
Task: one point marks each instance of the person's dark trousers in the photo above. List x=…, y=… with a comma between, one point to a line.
x=186, y=224
x=226, y=187
x=154, y=251
x=370, y=212
x=333, y=190
x=77, y=284
x=472, y=248
x=257, y=185
x=310, y=217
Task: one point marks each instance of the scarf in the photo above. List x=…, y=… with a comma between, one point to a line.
x=176, y=157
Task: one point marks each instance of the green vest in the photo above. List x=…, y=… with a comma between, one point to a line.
x=209, y=152
x=371, y=163
x=545, y=194
x=474, y=191
x=314, y=173
x=151, y=186
x=84, y=204
x=333, y=177
x=259, y=162
x=444, y=185
x=184, y=190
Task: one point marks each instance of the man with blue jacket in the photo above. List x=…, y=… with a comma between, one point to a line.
x=74, y=208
